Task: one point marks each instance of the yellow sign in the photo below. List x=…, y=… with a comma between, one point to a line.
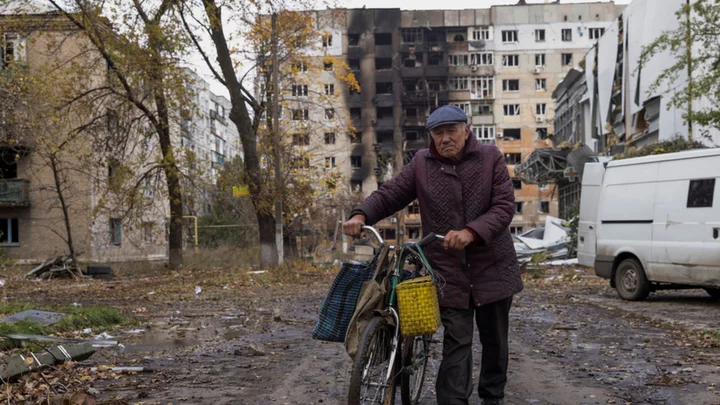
x=240, y=191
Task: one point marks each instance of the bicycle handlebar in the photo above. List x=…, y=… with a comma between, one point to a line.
x=431, y=237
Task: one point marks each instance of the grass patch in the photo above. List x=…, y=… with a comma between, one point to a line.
x=78, y=318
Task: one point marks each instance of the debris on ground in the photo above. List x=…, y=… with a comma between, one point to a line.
x=96, y=343
x=24, y=363
x=58, y=267
x=44, y=318
x=550, y=239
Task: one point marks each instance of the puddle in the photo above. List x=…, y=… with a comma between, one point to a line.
x=172, y=333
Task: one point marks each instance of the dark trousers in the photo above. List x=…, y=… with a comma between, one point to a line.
x=454, y=382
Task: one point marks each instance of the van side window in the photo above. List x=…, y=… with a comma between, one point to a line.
x=701, y=193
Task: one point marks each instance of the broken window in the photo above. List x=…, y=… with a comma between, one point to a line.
x=539, y=35
x=299, y=66
x=482, y=34
x=434, y=85
x=412, y=232
x=9, y=232
x=545, y=206
x=327, y=40
x=115, y=231
x=383, y=39
x=509, y=36
x=512, y=134
x=356, y=113
x=384, y=112
x=511, y=85
x=566, y=35
x=596, y=33
x=517, y=184
x=412, y=136
x=410, y=35
x=458, y=83
x=327, y=66
x=518, y=207
x=542, y=133
x=511, y=60
x=329, y=138
x=411, y=85
x=355, y=137
x=329, y=89
x=356, y=186
x=516, y=230
x=384, y=88
x=385, y=136
x=700, y=193
x=301, y=139
x=540, y=109
x=387, y=233
x=459, y=38
x=301, y=115
x=329, y=113
x=512, y=158
x=356, y=162
x=383, y=63
x=539, y=59
x=354, y=64
x=330, y=162
x=301, y=163
x=458, y=60
x=412, y=59
x=299, y=90
x=511, y=110
x=13, y=49
x=540, y=84
x=567, y=59
x=411, y=112
x=481, y=59
x=353, y=39
x=482, y=86
x=463, y=106
x=482, y=109
x=435, y=58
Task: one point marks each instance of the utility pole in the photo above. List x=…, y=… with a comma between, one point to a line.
x=688, y=55
x=276, y=130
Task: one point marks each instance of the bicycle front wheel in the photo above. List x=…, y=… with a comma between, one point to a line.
x=368, y=382
x=416, y=351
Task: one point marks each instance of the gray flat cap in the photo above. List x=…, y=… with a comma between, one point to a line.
x=447, y=114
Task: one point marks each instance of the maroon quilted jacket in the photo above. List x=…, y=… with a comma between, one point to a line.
x=475, y=192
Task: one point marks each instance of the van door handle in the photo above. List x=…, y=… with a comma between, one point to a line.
x=592, y=227
x=716, y=233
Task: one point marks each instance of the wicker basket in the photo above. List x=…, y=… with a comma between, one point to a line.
x=418, y=307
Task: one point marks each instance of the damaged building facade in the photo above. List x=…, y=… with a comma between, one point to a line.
x=606, y=104
x=500, y=65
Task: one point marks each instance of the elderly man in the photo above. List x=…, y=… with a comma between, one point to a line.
x=465, y=193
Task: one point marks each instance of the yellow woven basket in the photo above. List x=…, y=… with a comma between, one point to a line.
x=418, y=307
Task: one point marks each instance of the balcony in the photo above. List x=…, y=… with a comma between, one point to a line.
x=384, y=51
x=414, y=97
x=412, y=72
x=14, y=193
x=384, y=123
x=437, y=71
x=437, y=46
x=413, y=47
x=215, y=116
x=384, y=100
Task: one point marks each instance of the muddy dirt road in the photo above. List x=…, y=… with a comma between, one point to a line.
x=572, y=342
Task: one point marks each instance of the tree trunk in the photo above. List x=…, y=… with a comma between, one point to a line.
x=66, y=213
x=268, y=246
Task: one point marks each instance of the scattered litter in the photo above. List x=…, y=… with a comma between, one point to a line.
x=124, y=369
x=198, y=290
x=134, y=331
x=337, y=263
x=44, y=318
x=567, y=262
x=550, y=239
x=276, y=315
x=103, y=336
x=256, y=349
x=60, y=266
x=257, y=272
x=21, y=364
x=2, y=283
x=151, y=293
x=75, y=304
x=87, y=331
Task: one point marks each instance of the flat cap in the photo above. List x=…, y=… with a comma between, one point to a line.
x=447, y=114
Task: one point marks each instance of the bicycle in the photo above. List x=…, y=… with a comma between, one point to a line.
x=382, y=353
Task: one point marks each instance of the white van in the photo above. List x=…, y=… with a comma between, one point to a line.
x=653, y=222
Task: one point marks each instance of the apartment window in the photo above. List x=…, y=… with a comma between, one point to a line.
x=482, y=109
x=115, y=231
x=700, y=193
x=511, y=85
x=383, y=88
x=566, y=35
x=356, y=162
x=327, y=40
x=383, y=39
x=355, y=137
x=414, y=208
x=484, y=133
x=353, y=39
x=482, y=86
x=435, y=58
x=13, y=49
x=539, y=59
x=518, y=207
x=511, y=134
x=434, y=85
x=542, y=133
x=356, y=113
x=459, y=38
x=458, y=83
x=9, y=232
x=545, y=206
x=299, y=90
x=412, y=232
x=412, y=136
x=539, y=35
x=511, y=60
x=513, y=158
x=301, y=163
x=510, y=110
x=481, y=59
x=354, y=64
x=301, y=139
x=458, y=60
x=567, y=59
x=516, y=230
x=482, y=34
x=509, y=36
x=300, y=66
x=330, y=162
x=411, y=112
x=148, y=231
x=383, y=63
x=517, y=184
x=596, y=33
x=411, y=35
x=327, y=66
x=356, y=186
x=384, y=112
x=463, y=106
x=540, y=84
x=329, y=89
x=300, y=115
x=329, y=138
x=387, y=233
x=329, y=113
x=540, y=109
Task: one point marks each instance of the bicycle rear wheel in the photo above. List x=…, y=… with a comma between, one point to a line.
x=416, y=351
x=372, y=362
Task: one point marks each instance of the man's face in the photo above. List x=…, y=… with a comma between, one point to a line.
x=450, y=139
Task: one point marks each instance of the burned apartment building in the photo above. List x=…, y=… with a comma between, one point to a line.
x=499, y=64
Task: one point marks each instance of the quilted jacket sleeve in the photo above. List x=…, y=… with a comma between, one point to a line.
x=391, y=197
x=502, y=202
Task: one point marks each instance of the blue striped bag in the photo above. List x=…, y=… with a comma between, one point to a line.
x=339, y=305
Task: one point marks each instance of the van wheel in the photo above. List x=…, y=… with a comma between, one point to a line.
x=713, y=292
x=630, y=281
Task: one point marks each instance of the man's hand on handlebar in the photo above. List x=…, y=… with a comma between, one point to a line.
x=353, y=227
x=458, y=240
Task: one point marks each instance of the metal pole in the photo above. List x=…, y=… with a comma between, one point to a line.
x=688, y=55
x=276, y=130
